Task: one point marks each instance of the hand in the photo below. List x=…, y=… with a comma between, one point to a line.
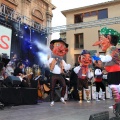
x=104, y=72
x=56, y=59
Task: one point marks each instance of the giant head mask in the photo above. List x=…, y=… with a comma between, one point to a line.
x=108, y=37
x=59, y=47
x=85, y=58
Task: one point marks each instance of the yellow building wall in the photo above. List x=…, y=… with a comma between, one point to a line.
x=90, y=34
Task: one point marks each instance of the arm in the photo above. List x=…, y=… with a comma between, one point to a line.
x=66, y=66
x=105, y=58
x=76, y=69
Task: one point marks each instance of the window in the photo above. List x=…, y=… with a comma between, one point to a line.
x=87, y=14
x=102, y=14
x=93, y=13
x=76, y=58
x=78, y=18
x=79, y=41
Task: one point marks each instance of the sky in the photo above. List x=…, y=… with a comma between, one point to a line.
x=59, y=19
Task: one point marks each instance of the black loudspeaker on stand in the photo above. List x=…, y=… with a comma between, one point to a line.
x=12, y=81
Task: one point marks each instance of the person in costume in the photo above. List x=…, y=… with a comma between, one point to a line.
x=108, y=41
x=83, y=73
x=57, y=67
x=98, y=77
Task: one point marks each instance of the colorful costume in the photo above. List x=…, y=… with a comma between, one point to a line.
x=108, y=41
x=98, y=76
x=57, y=67
x=83, y=73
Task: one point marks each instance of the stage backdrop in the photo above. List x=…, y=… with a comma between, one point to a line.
x=5, y=40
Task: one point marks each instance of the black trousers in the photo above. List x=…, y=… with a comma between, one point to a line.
x=54, y=79
x=82, y=83
x=100, y=85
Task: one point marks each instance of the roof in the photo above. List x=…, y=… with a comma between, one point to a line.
x=64, y=12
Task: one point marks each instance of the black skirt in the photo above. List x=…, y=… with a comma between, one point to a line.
x=113, y=78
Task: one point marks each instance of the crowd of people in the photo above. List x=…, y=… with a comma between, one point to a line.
x=81, y=74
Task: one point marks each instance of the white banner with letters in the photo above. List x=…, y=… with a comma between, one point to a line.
x=5, y=40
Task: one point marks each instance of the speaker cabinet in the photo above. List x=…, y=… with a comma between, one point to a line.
x=29, y=96
x=10, y=96
x=100, y=116
x=18, y=96
x=12, y=81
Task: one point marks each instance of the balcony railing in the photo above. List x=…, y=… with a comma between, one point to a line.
x=15, y=16
x=5, y=11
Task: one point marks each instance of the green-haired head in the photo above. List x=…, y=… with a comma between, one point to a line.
x=110, y=31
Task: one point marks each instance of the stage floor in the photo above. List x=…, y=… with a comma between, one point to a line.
x=72, y=110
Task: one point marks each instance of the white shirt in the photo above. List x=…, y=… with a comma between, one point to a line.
x=57, y=69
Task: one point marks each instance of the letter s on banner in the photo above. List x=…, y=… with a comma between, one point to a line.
x=5, y=40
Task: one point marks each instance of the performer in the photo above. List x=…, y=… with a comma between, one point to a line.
x=98, y=76
x=19, y=73
x=57, y=67
x=73, y=84
x=108, y=41
x=83, y=73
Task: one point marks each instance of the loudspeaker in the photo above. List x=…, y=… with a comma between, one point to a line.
x=10, y=96
x=100, y=116
x=18, y=96
x=12, y=81
x=29, y=96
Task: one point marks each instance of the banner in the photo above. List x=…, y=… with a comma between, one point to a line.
x=5, y=40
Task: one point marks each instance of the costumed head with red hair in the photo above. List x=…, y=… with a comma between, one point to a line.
x=59, y=47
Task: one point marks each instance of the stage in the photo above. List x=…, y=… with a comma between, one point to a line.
x=72, y=110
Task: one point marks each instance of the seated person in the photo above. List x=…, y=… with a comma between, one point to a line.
x=19, y=73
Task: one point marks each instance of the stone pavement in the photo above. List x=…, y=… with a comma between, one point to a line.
x=72, y=110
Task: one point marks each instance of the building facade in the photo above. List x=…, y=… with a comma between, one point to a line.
x=35, y=13
x=84, y=37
